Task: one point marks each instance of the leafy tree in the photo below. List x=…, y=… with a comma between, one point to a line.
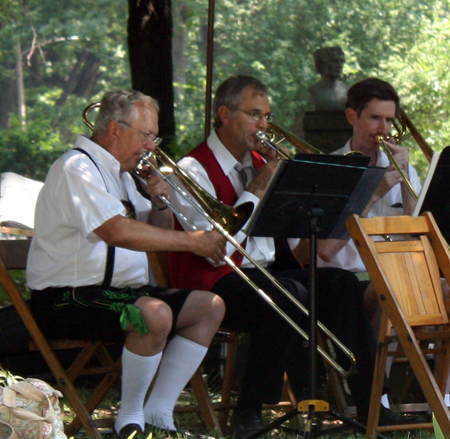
x=70, y=52
x=73, y=51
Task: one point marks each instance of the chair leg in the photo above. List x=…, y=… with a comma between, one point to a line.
x=207, y=412
x=228, y=377
x=377, y=384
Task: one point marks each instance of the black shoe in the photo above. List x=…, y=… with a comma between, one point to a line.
x=389, y=417
x=127, y=430
x=149, y=428
x=246, y=422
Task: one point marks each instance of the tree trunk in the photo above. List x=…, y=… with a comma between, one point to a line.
x=150, y=49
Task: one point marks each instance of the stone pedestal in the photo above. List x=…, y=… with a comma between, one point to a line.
x=325, y=130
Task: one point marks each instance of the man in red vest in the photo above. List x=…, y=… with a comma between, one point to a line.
x=229, y=167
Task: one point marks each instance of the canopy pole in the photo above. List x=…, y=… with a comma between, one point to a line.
x=209, y=67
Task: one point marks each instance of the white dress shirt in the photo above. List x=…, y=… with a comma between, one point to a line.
x=77, y=199
x=390, y=205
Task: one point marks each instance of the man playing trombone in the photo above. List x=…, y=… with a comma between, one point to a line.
x=371, y=108
x=229, y=167
x=89, y=272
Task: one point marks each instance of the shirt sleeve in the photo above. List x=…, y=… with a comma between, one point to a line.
x=87, y=204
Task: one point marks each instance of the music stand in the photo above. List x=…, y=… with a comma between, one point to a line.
x=311, y=197
x=435, y=194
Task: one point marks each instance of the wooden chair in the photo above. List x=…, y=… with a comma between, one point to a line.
x=406, y=277
x=13, y=254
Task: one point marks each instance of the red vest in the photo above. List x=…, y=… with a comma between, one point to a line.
x=187, y=270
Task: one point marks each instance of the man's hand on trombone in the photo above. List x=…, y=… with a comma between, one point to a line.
x=258, y=185
x=208, y=244
x=154, y=185
x=392, y=176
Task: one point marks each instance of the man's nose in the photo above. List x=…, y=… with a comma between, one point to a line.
x=262, y=123
x=384, y=127
x=149, y=146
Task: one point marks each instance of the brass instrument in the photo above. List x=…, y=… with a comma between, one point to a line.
x=284, y=134
x=267, y=138
x=405, y=129
x=205, y=211
x=385, y=147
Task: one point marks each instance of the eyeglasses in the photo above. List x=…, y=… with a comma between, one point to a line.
x=258, y=116
x=149, y=138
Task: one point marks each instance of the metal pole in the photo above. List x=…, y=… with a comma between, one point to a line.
x=209, y=67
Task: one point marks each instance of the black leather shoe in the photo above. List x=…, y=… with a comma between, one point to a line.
x=246, y=422
x=127, y=430
x=174, y=433
x=389, y=417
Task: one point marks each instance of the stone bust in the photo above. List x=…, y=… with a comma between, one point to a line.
x=329, y=94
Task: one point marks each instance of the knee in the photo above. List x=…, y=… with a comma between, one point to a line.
x=157, y=316
x=213, y=307
x=217, y=309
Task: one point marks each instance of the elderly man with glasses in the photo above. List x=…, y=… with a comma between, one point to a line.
x=89, y=272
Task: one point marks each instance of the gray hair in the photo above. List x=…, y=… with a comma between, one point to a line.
x=120, y=105
x=230, y=91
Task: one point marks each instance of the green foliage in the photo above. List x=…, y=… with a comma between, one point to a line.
x=7, y=378
x=403, y=41
x=58, y=40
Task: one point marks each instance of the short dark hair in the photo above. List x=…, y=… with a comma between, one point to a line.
x=229, y=93
x=361, y=93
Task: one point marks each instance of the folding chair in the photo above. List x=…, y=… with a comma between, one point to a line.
x=13, y=254
x=405, y=271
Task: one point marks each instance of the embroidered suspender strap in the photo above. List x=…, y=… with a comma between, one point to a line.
x=110, y=256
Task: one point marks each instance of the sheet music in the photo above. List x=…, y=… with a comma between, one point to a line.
x=18, y=196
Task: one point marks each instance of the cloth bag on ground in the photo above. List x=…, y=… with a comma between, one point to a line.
x=31, y=408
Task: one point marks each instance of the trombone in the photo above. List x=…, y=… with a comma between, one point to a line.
x=204, y=210
x=405, y=129
x=267, y=138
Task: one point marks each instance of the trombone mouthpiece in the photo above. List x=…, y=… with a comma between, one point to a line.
x=380, y=138
x=262, y=136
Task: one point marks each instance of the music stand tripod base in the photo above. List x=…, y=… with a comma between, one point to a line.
x=319, y=405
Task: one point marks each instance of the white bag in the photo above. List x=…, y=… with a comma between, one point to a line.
x=31, y=409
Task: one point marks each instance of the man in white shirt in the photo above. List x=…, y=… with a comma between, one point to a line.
x=241, y=108
x=371, y=108
x=89, y=273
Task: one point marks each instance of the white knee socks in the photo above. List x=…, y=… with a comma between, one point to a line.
x=179, y=362
x=137, y=375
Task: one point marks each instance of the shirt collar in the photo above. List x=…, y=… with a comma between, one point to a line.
x=224, y=157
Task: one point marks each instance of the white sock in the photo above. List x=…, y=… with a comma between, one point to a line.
x=180, y=360
x=385, y=401
x=137, y=375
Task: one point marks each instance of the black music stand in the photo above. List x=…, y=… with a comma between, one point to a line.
x=435, y=194
x=311, y=197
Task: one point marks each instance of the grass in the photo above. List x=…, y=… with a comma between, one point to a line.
x=292, y=429
x=111, y=404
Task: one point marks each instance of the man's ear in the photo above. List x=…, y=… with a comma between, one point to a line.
x=225, y=114
x=352, y=115
x=113, y=127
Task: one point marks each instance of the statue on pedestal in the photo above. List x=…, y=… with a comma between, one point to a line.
x=329, y=94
